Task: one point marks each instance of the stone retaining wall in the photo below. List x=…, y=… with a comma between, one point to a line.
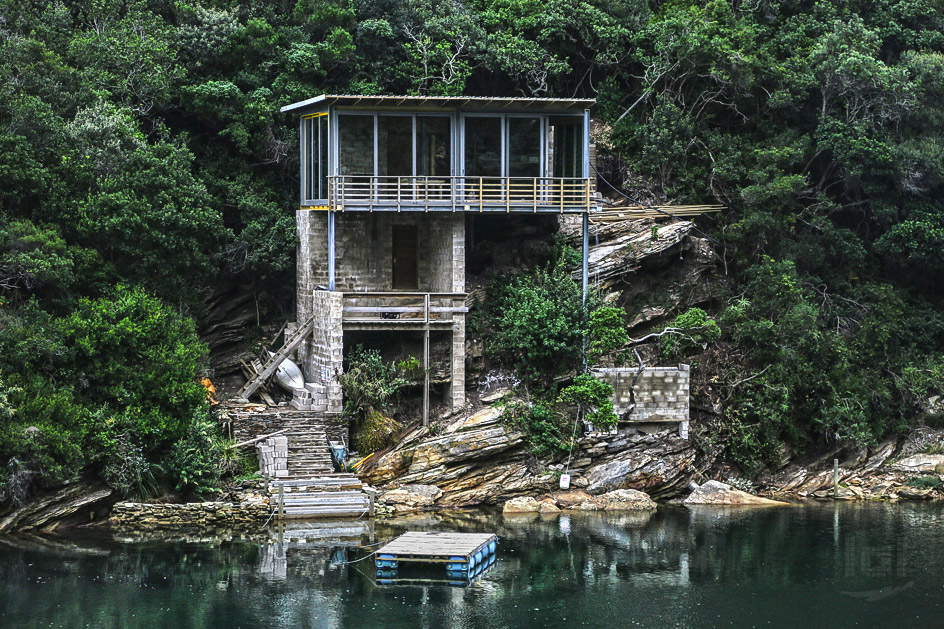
x=248, y=426
x=191, y=514
x=661, y=394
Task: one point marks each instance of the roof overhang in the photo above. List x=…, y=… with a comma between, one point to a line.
x=481, y=103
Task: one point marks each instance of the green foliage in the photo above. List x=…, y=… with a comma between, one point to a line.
x=371, y=391
x=694, y=331
x=370, y=384
x=195, y=460
x=925, y=482
x=592, y=398
x=607, y=335
x=535, y=322
x=544, y=427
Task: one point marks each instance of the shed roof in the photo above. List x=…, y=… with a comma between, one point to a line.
x=446, y=102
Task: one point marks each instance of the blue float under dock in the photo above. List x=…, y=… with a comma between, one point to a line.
x=460, y=552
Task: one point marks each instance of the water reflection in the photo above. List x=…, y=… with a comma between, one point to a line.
x=845, y=564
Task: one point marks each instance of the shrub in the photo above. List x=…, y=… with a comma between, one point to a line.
x=535, y=322
x=607, y=334
x=695, y=332
x=371, y=390
x=195, y=460
x=370, y=384
x=925, y=482
x=544, y=428
x=592, y=398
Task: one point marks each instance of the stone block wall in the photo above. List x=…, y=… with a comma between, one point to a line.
x=661, y=394
x=364, y=252
x=273, y=457
x=190, y=515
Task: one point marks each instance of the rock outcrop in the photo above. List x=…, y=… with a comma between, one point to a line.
x=717, y=493
x=477, y=459
x=46, y=511
x=920, y=463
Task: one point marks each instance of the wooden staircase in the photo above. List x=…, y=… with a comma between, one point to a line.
x=312, y=488
x=329, y=496
x=272, y=364
x=309, y=454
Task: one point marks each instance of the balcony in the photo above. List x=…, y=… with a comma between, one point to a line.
x=365, y=193
x=393, y=310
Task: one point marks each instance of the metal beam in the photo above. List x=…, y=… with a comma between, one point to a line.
x=331, y=250
x=585, y=262
x=426, y=376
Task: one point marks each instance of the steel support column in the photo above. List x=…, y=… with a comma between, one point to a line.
x=585, y=262
x=426, y=372
x=331, y=286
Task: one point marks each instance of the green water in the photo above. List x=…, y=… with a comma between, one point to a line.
x=844, y=565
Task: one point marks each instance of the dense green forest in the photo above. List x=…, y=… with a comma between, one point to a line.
x=143, y=159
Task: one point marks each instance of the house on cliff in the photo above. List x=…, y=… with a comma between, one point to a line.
x=389, y=188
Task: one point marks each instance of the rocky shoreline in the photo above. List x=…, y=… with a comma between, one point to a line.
x=477, y=460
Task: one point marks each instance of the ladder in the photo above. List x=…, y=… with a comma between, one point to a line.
x=273, y=362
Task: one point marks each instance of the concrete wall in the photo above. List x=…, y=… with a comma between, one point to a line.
x=661, y=393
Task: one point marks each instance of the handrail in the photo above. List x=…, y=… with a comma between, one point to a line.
x=422, y=192
x=388, y=307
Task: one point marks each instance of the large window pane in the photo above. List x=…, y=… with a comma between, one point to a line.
x=434, y=156
x=483, y=147
x=323, y=161
x=356, y=138
x=567, y=144
x=433, y=146
x=524, y=147
x=315, y=147
x=310, y=151
x=395, y=146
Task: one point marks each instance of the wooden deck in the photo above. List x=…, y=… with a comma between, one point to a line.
x=436, y=547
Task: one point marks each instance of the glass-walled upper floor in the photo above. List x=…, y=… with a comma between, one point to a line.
x=427, y=159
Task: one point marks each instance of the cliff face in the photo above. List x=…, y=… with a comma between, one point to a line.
x=477, y=459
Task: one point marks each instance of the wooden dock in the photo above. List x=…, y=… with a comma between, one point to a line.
x=459, y=551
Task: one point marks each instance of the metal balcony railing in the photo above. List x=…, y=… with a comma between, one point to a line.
x=397, y=307
x=461, y=194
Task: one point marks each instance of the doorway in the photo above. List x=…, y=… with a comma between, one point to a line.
x=405, y=267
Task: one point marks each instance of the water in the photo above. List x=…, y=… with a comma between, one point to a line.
x=872, y=565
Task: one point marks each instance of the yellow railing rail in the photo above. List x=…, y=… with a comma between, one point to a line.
x=460, y=193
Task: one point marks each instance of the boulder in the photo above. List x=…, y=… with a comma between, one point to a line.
x=618, y=500
x=412, y=497
x=717, y=493
x=548, y=507
x=571, y=497
x=523, y=504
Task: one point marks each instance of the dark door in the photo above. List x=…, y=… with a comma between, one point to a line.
x=405, y=258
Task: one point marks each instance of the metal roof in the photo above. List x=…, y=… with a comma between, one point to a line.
x=446, y=102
